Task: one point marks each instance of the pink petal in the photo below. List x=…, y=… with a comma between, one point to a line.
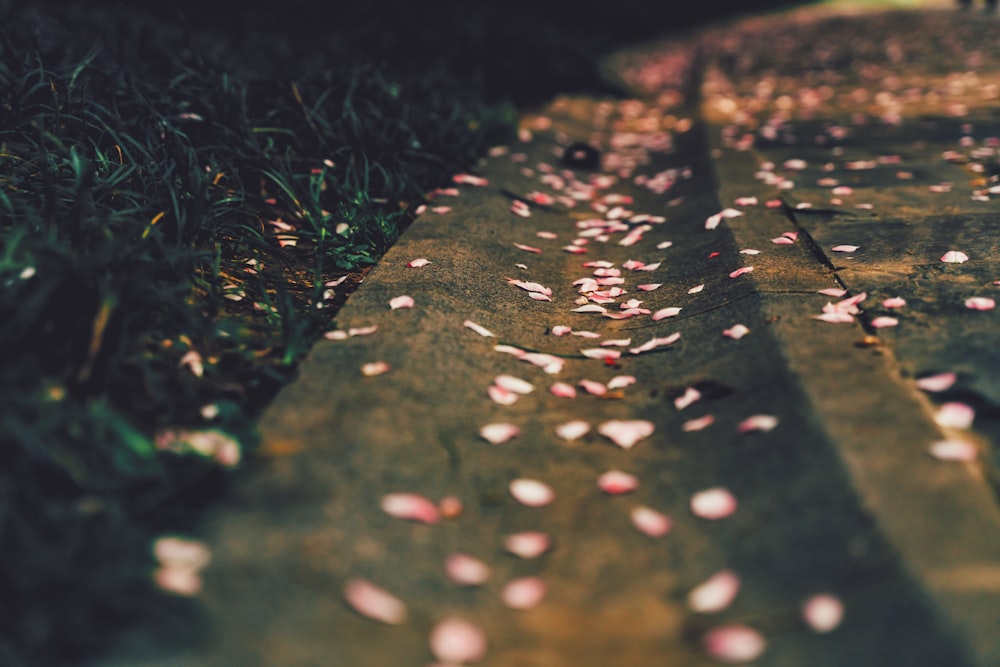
x=617, y=342
x=528, y=248
x=601, y=353
x=616, y=482
x=845, y=248
x=954, y=450
x=403, y=301
x=180, y=553
x=823, y=612
x=714, y=594
x=417, y=263
x=561, y=330
x=499, y=433
x=530, y=286
x=466, y=570
x=590, y=308
x=513, y=384
x=689, y=396
x=531, y=492
x=736, y=331
x=501, y=396
x=939, y=382
x=654, y=343
x=696, y=289
x=739, y=272
x=835, y=318
x=410, y=506
x=374, y=368
x=650, y=287
x=456, y=641
x=835, y=292
x=510, y=349
x=782, y=240
x=625, y=433
x=563, y=390
x=362, y=331
x=376, y=603
x=954, y=257
x=592, y=387
x=441, y=210
x=486, y=333
x=713, y=504
x=650, y=522
x=469, y=179
x=538, y=296
x=546, y=235
x=572, y=430
x=894, y=302
x=698, y=424
x=758, y=423
x=586, y=334
x=621, y=381
x=734, y=643
x=955, y=415
x=178, y=581
x=664, y=313
x=980, y=303
x=884, y=321
x=524, y=593
x=529, y=544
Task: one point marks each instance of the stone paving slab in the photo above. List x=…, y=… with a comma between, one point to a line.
x=839, y=497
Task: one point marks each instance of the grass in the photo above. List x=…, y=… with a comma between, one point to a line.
x=173, y=221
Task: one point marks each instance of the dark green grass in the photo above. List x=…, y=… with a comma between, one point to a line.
x=141, y=167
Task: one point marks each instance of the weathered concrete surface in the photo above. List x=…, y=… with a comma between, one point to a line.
x=840, y=497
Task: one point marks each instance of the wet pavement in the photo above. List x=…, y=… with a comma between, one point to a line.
x=850, y=166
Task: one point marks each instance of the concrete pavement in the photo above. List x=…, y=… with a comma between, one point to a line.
x=862, y=155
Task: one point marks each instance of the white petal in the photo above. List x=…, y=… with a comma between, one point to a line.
x=376, y=603
x=374, y=368
x=734, y=643
x=590, y=308
x=690, y=396
x=531, y=492
x=715, y=593
x=538, y=296
x=655, y=342
x=954, y=450
x=649, y=287
x=736, y=331
x=625, y=433
x=601, y=353
x=592, y=387
x=529, y=544
x=499, y=433
x=501, y=396
x=177, y=552
x=403, y=301
x=713, y=504
x=884, y=321
x=894, y=302
x=563, y=390
x=955, y=415
x=465, y=570
x=938, y=382
x=980, y=303
x=457, y=641
x=524, y=593
x=482, y=331
x=954, y=257
x=823, y=612
x=417, y=263
x=835, y=292
x=696, y=289
x=698, y=424
x=650, y=522
x=561, y=330
x=845, y=248
x=835, y=318
x=573, y=430
x=514, y=384
x=621, y=381
x=410, y=506
x=616, y=482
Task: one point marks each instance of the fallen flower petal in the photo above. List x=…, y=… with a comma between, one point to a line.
x=403, y=301
x=590, y=308
x=538, y=296
x=374, y=368
x=417, y=263
x=650, y=522
x=835, y=292
x=845, y=248
x=561, y=330
x=883, y=322
x=715, y=593
x=362, y=331
x=649, y=287
x=501, y=396
x=954, y=450
x=180, y=553
x=894, y=302
x=740, y=271
x=736, y=331
x=482, y=331
x=654, y=343
x=563, y=390
x=193, y=361
x=499, y=432
x=835, y=318
x=531, y=492
x=713, y=504
x=514, y=384
x=758, y=423
x=823, y=612
x=410, y=506
x=689, y=396
x=955, y=415
x=616, y=482
x=621, y=381
x=466, y=570
x=592, y=387
x=529, y=544
x=572, y=430
x=528, y=248
x=625, y=433
x=698, y=424
x=696, y=289
x=734, y=643
x=980, y=303
x=178, y=581
x=938, y=382
x=954, y=257
x=524, y=593
x=601, y=353
x=456, y=641
x=665, y=312
x=373, y=602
